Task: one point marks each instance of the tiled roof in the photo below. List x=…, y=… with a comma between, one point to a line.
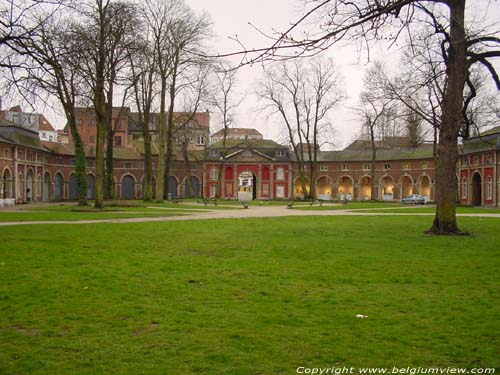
x=120, y=153
x=17, y=135
x=249, y=143
x=237, y=132
x=45, y=124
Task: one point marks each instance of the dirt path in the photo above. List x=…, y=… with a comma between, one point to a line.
x=252, y=212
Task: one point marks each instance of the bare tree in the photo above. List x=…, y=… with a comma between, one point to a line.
x=177, y=37
x=303, y=98
x=187, y=127
x=365, y=21
x=143, y=75
x=41, y=67
x=374, y=109
x=225, y=103
x=99, y=43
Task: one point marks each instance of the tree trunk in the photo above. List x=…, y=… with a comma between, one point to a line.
x=148, y=167
x=445, y=221
x=160, y=173
x=373, y=162
x=80, y=162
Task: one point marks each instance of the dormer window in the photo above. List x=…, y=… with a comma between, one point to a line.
x=200, y=140
x=280, y=153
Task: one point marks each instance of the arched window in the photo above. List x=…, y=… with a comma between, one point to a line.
x=489, y=188
x=464, y=187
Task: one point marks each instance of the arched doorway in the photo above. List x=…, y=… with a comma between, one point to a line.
x=195, y=184
x=46, y=187
x=345, y=188
x=247, y=186
x=73, y=187
x=7, y=184
x=90, y=186
x=425, y=187
x=297, y=188
x=58, y=188
x=387, y=188
x=172, y=186
x=29, y=186
x=365, y=188
x=476, y=189
x=323, y=188
x=128, y=187
x=406, y=186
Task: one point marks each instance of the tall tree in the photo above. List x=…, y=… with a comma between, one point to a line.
x=41, y=64
x=143, y=75
x=373, y=110
x=365, y=21
x=178, y=34
x=303, y=97
x=224, y=101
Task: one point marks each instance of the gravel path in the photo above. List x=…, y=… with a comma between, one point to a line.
x=252, y=212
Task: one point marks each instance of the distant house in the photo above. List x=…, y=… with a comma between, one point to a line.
x=237, y=133
x=46, y=131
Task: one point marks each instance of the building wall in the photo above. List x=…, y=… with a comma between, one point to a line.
x=37, y=170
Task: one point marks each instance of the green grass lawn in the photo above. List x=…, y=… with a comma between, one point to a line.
x=113, y=210
x=432, y=209
x=249, y=296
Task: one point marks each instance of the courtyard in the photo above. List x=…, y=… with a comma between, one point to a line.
x=251, y=295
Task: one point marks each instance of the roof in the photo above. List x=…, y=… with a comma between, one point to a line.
x=237, y=132
x=423, y=151
x=495, y=130
x=248, y=143
x=17, y=135
x=486, y=141
x=120, y=153
x=45, y=124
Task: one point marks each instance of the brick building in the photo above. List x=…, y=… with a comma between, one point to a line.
x=250, y=168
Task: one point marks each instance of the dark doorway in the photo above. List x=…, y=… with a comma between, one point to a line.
x=128, y=187
x=7, y=184
x=476, y=189
x=73, y=187
x=195, y=183
x=254, y=187
x=90, y=186
x=172, y=186
x=58, y=191
x=46, y=187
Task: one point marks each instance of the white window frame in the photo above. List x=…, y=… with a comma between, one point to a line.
x=280, y=174
x=200, y=140
x=489, y=188
x=213, y=191
x=464, y=187
x=214, y=173
x=387, y=166
x=323, y=168
x=345, y=167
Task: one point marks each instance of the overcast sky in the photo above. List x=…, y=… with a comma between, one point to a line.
x=232, y=18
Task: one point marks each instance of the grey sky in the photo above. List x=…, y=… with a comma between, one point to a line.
x=232, y=17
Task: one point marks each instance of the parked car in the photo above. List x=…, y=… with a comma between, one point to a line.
x=413, y=199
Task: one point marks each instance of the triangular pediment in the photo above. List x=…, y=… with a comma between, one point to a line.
x=249, y=155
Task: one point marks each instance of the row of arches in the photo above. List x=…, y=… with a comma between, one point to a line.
x=58, y=188
x=386, y=187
